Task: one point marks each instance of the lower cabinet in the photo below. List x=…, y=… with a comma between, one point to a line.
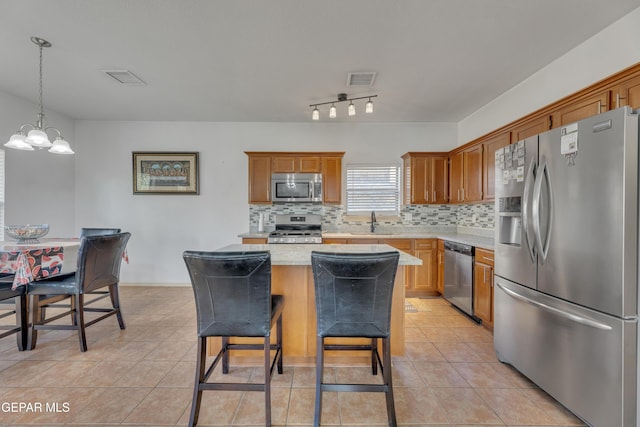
x=425, y=276
x=483, y=286
x=254, y=241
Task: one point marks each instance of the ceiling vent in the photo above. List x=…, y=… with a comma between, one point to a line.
x=124, y=77
x=361, y=79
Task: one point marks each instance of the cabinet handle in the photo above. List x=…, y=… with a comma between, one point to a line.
x=426, y=195
x=488, y=259
x=462, y=194
x=617, y=100
x=434, y=196
x=599, y=106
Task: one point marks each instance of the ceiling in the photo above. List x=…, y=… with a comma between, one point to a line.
x=266, y=61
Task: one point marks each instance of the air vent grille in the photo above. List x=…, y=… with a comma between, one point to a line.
x=124, y=77
x=361, y=79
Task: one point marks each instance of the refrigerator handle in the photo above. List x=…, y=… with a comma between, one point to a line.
x=543, y=174
x=574, y=317
x=525, y=210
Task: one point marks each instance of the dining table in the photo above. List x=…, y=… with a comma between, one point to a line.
x=37, y=260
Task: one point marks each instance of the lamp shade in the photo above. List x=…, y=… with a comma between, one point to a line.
x=332, y=111
x=17, y=141
x=315, y=114
x=60, y=146
x=368, y=107
x=38, y=138
x=351, y=110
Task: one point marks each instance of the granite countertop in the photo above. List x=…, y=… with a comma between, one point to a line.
x=483, y=242
x=292, y=254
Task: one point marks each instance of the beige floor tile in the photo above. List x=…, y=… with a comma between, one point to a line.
x=161, y=406
x=440, y=374
x=144, y=375
x=465, y=406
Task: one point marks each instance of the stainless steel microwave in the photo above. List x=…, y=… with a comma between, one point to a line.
x=296, y=187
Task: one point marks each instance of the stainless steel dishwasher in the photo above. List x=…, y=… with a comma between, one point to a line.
x=458, y=275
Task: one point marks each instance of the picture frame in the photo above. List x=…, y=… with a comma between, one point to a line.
x=169, y=172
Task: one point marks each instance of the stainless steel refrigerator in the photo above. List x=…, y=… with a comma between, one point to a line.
x=566, y=265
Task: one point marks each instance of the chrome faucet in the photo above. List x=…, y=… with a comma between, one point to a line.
x=373, y=221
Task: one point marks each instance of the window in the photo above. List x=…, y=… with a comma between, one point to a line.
x=373, y=187
x=2, y=193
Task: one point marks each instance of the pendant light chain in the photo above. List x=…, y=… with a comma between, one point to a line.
x=41, y=119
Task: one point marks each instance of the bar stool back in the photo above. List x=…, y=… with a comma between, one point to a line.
x=233, y=299
x=353, y=293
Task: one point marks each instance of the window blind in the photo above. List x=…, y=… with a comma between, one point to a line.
x=373, y=187
x=2, y=194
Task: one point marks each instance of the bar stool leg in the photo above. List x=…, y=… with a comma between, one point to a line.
x=319, y=378
x=200, y=371
x=267, y=381
x=386, y=374
x=374, y=356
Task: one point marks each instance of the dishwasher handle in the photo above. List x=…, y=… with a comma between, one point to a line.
x=460, y=248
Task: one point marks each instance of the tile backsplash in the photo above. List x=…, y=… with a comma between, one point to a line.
x=475, y=218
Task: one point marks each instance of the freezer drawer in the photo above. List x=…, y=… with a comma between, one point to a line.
x=584, y=359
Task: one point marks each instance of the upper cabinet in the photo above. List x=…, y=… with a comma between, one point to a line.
x=263, y=164
x=581, y=109
x=530, y=127
x=294, y=164
x=465, y=174
x=627, y=93
x=425, y=178
x=489, y=163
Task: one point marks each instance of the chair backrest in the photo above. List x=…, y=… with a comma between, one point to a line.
x=99, y=260
x=353, y=293
x=232, y=292
x=84, y=232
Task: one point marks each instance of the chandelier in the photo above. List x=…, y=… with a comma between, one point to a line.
x=342, y=97
x=37, y=135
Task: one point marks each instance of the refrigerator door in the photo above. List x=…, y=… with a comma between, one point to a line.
x=584, y=359
x=515, y=252
x=585, y=212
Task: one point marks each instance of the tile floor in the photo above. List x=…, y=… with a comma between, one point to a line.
x=449, y=376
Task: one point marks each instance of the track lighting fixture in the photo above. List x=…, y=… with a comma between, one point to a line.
x=342, y=97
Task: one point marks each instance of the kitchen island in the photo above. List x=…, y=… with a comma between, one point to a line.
x=292, y=277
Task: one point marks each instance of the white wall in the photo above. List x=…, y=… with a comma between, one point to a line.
x=163, y=226
x=39, y=185
x=612, y=50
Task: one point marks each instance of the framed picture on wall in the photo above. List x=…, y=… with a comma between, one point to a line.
x=165, y=172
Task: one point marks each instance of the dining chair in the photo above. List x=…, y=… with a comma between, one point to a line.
x=17, y=299
x=84, y=231
x=353, y=295
x=233, y=299
x=99, y=260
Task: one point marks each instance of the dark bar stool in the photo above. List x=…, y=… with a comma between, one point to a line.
x=99, y=259
x=233, y=299
x=86, y=231
x=353, y=293
x=19, y=308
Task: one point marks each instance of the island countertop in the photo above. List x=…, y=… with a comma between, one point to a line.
x=300, y=254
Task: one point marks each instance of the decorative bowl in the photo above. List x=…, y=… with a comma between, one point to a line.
x=27, y=233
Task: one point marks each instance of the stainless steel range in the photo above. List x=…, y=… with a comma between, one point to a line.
x=297, y=229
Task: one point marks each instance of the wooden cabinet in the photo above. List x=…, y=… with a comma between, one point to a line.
x=581, y=109
x=295, y=163
x=259, y=179
x=334, y=240
x=489, y=163
x=440, y=263
x=465, y=175
x=332, y=179
x=483, y=286
x=628, y=93
x=531, y=127
x=254, y=241
x=425, y=178
x=425, y=276
x=263, y=164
